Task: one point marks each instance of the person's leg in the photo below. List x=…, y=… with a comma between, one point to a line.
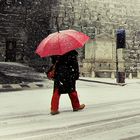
x=75, y=101
x=55, y=102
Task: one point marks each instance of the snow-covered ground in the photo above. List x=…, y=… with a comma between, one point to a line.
x=112, y=113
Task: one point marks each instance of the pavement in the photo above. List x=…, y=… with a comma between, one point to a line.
x=112, y=112
x=16, y=76
x=48, y=84
x=21, y=86
x=108, y=81
x=14, y=73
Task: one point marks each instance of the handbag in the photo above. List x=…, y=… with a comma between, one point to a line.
x=51, y=72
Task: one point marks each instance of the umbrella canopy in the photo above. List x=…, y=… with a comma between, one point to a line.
x=61, y=42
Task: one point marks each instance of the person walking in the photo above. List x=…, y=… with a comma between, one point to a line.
x=66, y=74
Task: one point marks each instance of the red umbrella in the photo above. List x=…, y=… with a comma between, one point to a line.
x=61, y=42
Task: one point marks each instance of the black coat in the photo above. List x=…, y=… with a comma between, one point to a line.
x=66, y=72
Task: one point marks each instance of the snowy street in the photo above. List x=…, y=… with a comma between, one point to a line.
x=112, y=113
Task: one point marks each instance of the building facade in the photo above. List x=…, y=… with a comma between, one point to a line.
x=23, y=24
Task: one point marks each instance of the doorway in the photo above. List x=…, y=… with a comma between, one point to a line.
x=10, y=54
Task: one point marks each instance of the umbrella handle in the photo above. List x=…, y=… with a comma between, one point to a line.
x=57, y=25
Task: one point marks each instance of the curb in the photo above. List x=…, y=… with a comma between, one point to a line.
x=118, y=84
x=33, y=85
x=20, y=86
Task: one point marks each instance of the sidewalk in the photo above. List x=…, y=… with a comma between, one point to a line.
x=48, y=83
x=102, y=81
x=109, y=81
x=25, y=86
x=111, y=113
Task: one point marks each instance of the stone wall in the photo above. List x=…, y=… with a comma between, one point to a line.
x=95, y=17
x=28, y=22
x=23, y=24
x=11, y=24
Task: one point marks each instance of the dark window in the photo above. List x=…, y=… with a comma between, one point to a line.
x=10, y=54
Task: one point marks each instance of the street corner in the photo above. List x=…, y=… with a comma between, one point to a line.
x=22, y=86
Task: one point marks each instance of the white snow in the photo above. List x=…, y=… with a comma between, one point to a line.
x=112, y=113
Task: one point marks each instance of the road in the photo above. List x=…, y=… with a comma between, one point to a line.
x=110, y=117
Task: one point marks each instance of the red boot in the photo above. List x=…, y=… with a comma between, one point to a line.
x=55, y=102
x=75, y=101
x=82, y=106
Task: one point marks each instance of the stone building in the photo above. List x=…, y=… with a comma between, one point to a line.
x=23, y=24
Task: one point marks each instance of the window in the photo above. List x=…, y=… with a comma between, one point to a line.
x=10, y=54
